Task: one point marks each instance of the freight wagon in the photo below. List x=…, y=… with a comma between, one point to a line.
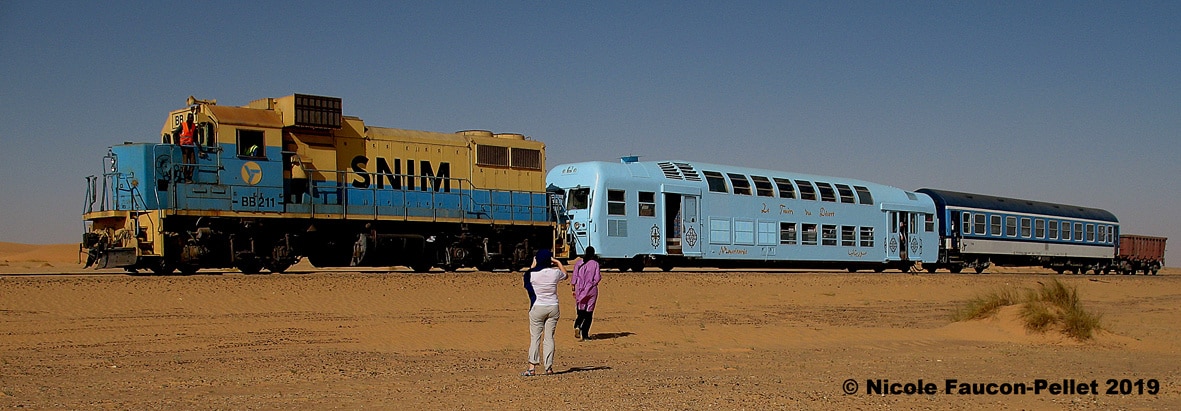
x=1140, y=253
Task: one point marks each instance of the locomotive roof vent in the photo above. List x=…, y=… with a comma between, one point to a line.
x=510, y=136
x=629, y=159
x=475, y=133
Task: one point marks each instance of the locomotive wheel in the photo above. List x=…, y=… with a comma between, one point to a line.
x=879, y=269
x=955, y=268
x=162, y=268
x=278, y=267
x=932, y=269
x=250, y=266
x=851, y=269
x=421, y=267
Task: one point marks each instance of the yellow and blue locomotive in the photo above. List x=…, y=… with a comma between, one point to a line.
x=263, y=185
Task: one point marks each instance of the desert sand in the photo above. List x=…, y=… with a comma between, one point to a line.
x=687, y=339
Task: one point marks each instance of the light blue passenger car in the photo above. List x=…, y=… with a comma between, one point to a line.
x=679, y=213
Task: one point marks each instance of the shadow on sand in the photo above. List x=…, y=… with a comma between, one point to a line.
x=581, y=369
x=610, y=336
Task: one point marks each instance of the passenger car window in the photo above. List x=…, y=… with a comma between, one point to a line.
x=863, y=195
x=647, y=204
x=740, y=183
x=615, y=202
x=763, y=186
x=826, y=192
x=846, y=194
x=716, y=182
x=807, y=192
x=786, y=190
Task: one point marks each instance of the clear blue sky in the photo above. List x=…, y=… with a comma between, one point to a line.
x=1074, y=102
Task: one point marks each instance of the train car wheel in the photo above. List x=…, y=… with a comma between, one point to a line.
x=851, y=269
x=979, y=269
x=188, y=269
x=956, y=268
x=421, y=267
x=638, y=265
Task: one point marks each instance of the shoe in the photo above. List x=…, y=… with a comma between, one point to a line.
x=528, y=373
x=549, y=371
x=577, y=334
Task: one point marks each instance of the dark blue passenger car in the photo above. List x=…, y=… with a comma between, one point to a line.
x=979, y=230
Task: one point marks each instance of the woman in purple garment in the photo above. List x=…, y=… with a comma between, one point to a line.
x=585, y=283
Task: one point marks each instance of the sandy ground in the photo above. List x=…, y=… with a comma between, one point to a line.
x=682, y=340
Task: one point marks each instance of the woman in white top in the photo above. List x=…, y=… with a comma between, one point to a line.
x=541, y=281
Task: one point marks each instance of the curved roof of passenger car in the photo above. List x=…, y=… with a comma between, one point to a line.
x=677, y=170
x=945, y=198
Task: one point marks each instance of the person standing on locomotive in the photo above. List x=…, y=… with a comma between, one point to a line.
x=187, y=132
x=299, y=180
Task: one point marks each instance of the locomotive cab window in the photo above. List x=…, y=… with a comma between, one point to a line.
x=250, y=144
